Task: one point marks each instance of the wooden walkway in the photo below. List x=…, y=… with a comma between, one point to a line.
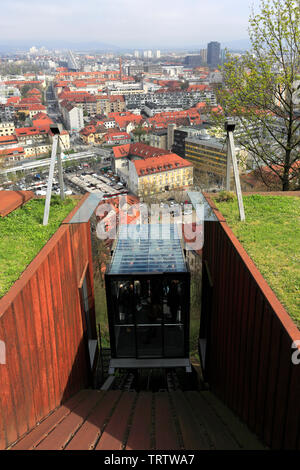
x=116, y=420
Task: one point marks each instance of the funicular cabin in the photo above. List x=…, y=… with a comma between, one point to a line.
x=148, y=299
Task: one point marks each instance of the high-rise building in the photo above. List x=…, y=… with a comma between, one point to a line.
x=157, y=54
x=149, y=54
x=203, y=55
x=213, y=53
x=136, y=54
x=193, y=60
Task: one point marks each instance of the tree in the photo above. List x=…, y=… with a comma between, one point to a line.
x=260, y=90
x=139, y=131
x=22, y=116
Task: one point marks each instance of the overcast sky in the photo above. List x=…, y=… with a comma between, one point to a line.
x=127, y=23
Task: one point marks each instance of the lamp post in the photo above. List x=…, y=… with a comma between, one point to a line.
x=231, y=157
x=55, y=129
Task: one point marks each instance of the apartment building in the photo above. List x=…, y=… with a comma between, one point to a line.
x=158, y=139
x=10, y=155
x=207, y=155
x=7, y=128
x=37, y=149
x=172, y=99
x=182, y=133
x=159, y=174
x=73, y=116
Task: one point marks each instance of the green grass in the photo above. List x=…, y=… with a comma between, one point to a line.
x=271, y=237
x=101, y=312
x=22, y=236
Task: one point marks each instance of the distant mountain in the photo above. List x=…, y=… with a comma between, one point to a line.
x=57, y=44
x=18, y=46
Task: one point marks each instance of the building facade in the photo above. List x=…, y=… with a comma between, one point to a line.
x=208, y=156
x=213, y=53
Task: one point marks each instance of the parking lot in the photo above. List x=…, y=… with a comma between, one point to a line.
x=96, y=182
x=91, y=177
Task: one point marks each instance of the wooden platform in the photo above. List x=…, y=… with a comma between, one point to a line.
x=116, y=420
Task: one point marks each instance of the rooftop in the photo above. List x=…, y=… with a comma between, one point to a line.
x=148, y=249
x=158, y=164
x=271, y=237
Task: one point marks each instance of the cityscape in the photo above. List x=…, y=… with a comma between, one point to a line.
x=149, y=229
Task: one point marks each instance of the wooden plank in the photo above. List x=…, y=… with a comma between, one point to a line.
x=115, y=431
x=229, y=312
x=140, y=433
x=264, y=363
x=6, y=395
x=282, y=393
x=258, y=318
x=65, y=362
x=57, y=322
x=166, y=436
x=42, y=277
x=193, y=433
x=219, y=310
x=292, y=427
x=226, y=312
x=33, y=355
x=35, y=436
x=250, y=338
x=13, y=367
x=243, y=307
x=218, y=432
x=63, y=432
x=40, y=345
x=272, y=378
x=88, y=435
x=54, y=342
x=245, y=438
x=71, y=299
x=67, y=309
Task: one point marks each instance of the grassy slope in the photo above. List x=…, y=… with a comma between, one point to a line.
x=271, y=237
x=22, y=236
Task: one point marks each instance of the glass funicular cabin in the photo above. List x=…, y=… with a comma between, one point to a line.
x=148, y=299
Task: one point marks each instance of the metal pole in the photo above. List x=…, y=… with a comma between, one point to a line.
x=60, y=176
x=50, y=180
x=236, y=175
x=228, y=167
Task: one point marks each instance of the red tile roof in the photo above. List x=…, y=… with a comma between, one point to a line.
x=11, y=152
x=112, y=136
x=8, y=140
x=159, y=164
x=13, y=99
x=121, y=151
x=27, y=131
x=138, y=149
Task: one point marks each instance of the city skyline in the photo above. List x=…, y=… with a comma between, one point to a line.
x=124, y=24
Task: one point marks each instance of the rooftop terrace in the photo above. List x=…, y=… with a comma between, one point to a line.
x=271, y=237
x=22, y=236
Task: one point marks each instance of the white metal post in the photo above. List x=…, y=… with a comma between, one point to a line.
x=230, y=144
x=50, y=180
x=60, y=176
x=228, y=167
